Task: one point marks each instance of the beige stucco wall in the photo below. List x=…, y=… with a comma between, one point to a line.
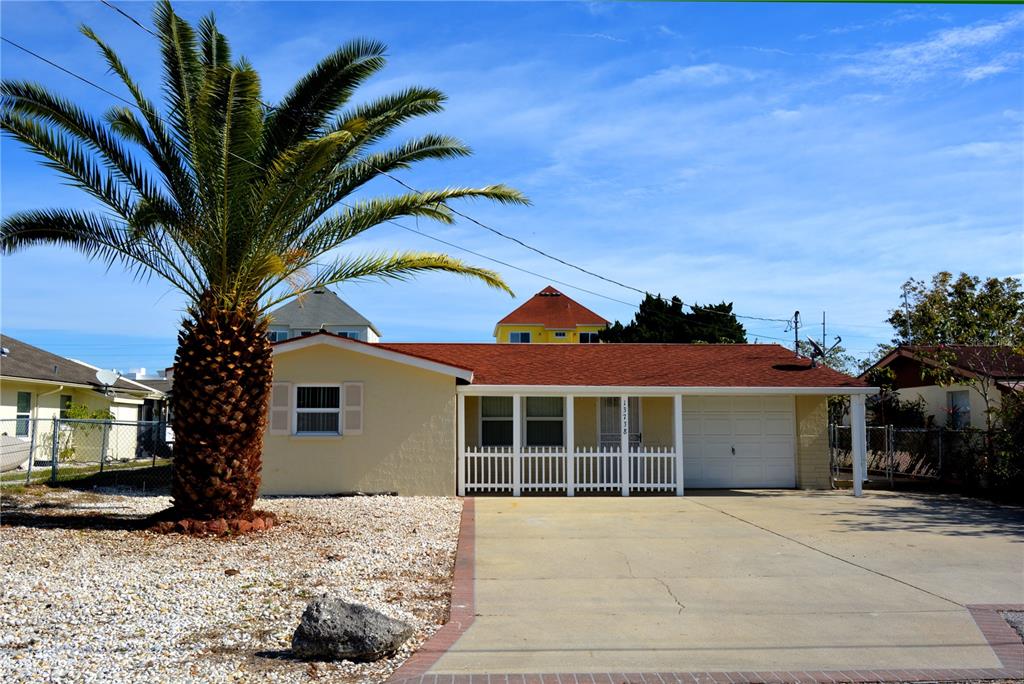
x=407, y=444
x=812, y=466
x=936, y=402
x=656, y=421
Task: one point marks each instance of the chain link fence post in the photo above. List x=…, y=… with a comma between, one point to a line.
x=54, y=449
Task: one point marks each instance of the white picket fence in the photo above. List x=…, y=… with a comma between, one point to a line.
x=586, y=469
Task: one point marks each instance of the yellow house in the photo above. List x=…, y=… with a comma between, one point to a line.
x=451, y=418
x=550, y=316
x=37, y=386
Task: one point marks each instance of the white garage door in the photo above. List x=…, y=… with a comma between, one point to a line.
x=739, y=442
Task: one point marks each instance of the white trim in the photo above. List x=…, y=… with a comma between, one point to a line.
x=149, y=389
x=296, y=410
x=460, y=449
x=677, y=440
x=63, y=383
x=639, y=419
x=611, y=390
x=858, y=444
x=371, y=349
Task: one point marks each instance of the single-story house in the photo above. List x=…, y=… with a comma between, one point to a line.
x=37, y=386
x=978, y=377
x=444, y=419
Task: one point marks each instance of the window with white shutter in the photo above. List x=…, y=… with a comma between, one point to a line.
x=353, y=408
x=280, y=409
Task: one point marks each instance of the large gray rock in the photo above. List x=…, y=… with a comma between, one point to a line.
x=334, y=629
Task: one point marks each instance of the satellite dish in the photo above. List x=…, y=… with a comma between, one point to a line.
x=107, y=377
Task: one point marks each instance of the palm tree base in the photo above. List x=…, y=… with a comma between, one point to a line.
x=169, y=522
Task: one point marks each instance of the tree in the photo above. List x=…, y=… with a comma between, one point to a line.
x=967, y=310
x=238, y=205
x=660, y=320
x=966, y=323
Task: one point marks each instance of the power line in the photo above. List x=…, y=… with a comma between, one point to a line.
x=403, y=227
x=504, y=235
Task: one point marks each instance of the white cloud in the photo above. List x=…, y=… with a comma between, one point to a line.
x=712, y=74
x=945, y=50
x=597, y=36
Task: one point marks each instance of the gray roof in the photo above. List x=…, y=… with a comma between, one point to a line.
x=23, y=360
x=318, y=308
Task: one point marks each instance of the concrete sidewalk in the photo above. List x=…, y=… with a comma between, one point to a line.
x=769, y=580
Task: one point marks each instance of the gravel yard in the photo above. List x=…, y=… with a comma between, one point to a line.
x=82, y=603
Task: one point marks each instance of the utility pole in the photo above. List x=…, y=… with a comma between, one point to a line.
x=823, y=338
x=796, y=333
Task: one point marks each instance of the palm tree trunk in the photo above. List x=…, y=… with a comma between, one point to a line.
x=222, y=379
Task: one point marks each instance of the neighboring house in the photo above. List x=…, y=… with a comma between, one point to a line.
x=550, y=316
x=441, y=419
x=979, y=376
x=320, y=310
x=37, y=386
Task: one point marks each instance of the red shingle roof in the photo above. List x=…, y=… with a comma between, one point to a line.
x=552, y=309
x=631, y=365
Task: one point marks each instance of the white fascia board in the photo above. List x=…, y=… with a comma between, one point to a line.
x=37, y=381
x=614, y=390
x=371, y=349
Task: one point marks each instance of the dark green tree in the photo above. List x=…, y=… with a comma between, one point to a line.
x=661, y=320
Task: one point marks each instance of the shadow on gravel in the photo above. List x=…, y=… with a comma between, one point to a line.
x=28, y=517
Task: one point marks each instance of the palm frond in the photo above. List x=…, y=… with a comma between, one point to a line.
x=213, y=44
x=71, y=159
x=95, y=236
x=305, y=110
x=183, y=72
x=157, y=141
x=395, y=266
x=33, y=101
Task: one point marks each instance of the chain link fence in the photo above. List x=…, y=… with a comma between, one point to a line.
x=86, y=453
x=928, y=454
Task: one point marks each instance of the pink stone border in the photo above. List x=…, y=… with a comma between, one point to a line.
x=1004, y=641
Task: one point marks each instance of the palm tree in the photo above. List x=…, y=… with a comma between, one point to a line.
x=240, y=206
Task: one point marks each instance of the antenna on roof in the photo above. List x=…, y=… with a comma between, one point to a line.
x=818, y=351
x=107, y=378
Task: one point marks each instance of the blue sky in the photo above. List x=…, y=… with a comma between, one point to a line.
x=782, y=157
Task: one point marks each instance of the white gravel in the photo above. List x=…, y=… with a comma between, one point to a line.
x=100, y=605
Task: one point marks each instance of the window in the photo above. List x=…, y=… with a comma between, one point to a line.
x=65, y=404
x=519, y=337
x=277, y=335
x=545, y=421
x=588, y=337
x=495, y=421
x=349, y=334
x=318, y=410
x=959, y=406
x=24, y=411
x=560, y=334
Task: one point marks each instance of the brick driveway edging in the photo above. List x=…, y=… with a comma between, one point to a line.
x=463, y=603
x=1001, y=637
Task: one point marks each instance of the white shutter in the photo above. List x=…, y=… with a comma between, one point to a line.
x=353, y=409
x=280, y=409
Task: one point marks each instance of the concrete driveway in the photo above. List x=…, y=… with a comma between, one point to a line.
x=767, y=580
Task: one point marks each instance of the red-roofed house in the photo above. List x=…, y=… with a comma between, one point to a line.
x=550, y=316
x=444, y=419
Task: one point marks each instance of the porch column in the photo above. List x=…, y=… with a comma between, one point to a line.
x=517, y=441
x=859, y=441
x=460, y=448
x=570, y=445
x=624, y=408
x=677, y=434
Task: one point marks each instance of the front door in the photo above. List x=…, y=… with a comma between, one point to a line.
x=609, y=428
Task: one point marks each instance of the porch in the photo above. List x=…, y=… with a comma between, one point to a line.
x=588, y=440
